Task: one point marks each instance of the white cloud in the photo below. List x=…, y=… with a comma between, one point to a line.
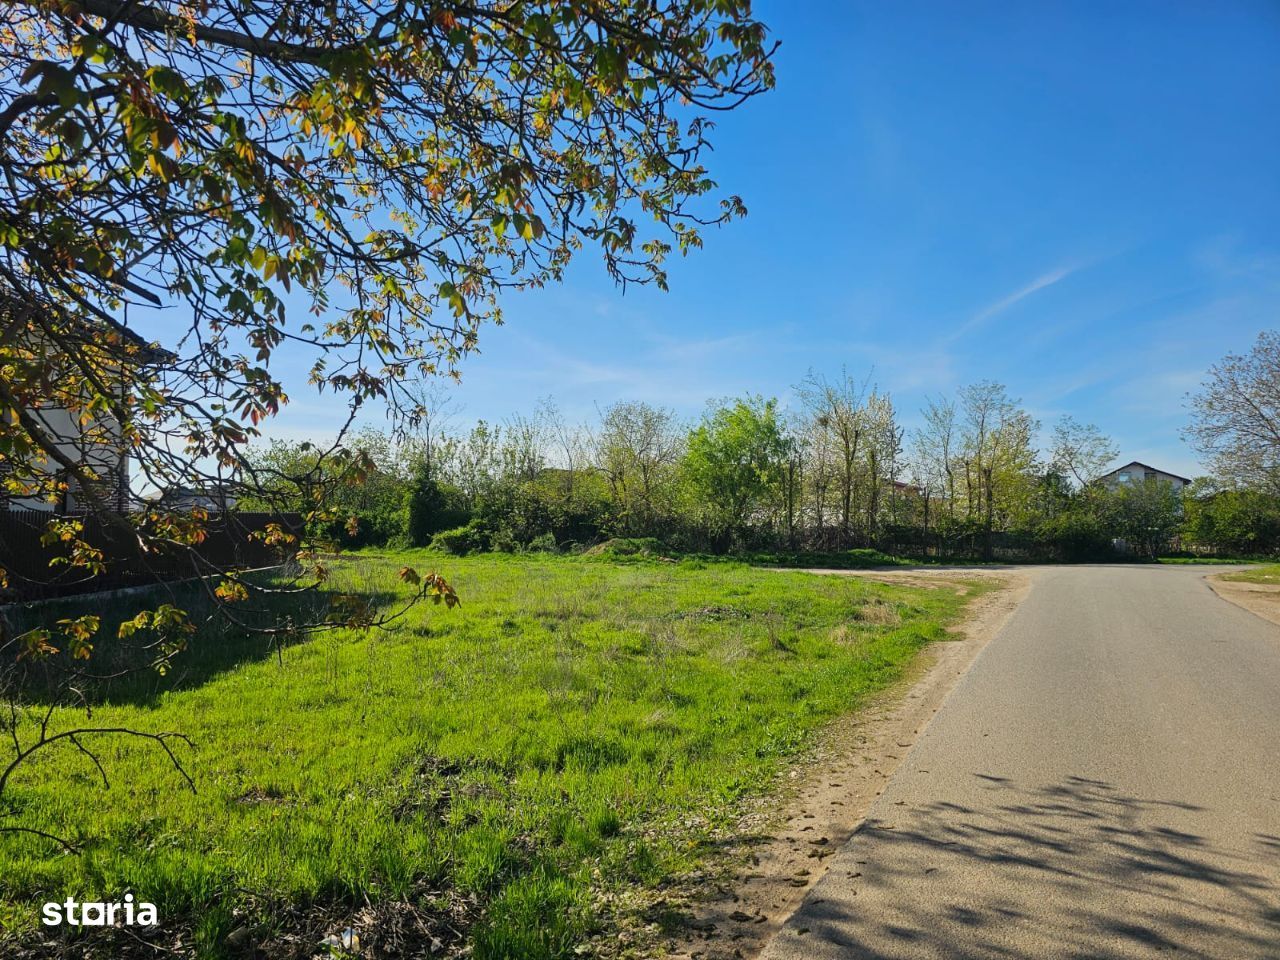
x=993, y=310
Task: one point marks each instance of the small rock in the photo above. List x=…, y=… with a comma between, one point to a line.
x=240, y=938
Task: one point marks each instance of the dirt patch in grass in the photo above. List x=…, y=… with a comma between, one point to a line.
x=264, y=795
x=877, y=610
x=779, y=849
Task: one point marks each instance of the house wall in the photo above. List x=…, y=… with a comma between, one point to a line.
x=1136, y=474
x=97, y=444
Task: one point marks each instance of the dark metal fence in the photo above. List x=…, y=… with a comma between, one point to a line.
x=34, y=569
x=917, y=543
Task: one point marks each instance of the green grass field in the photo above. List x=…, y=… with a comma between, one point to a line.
x=1270, y=573
x=575, y=726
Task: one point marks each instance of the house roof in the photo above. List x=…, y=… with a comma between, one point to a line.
x=148, y=353
x=1145, y=466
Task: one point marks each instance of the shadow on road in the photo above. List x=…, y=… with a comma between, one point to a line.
x=1076, y=869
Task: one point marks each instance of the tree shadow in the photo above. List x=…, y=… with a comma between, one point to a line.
x=121, y=670
x=1072, y=870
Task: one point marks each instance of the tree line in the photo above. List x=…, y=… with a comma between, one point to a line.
x=835, y=471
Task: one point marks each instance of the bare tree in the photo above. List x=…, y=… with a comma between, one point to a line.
x=1236, y=416
x=1081, y=452
x=433, y=411
x=836, y=409
x=936, y=445
x=636, y=447
x=571, y=443
x=880, y=449
x=996, y=453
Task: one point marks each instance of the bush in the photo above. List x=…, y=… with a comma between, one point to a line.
x=372, y=528
x=1234, y=522
x=502, y=541
x=430, y=508
x=627, y=547
x=471, y=538
x=518, y=513
x=1077, y=535
x=543, y=543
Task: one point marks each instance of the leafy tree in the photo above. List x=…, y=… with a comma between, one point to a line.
x=1237, y=522
x=835, y=410
x=996, y=456
x=354, y=182
x=1081, y=452
x=364, y=493
x=524, y=447
x=734, y=461
x=429, y=508
x=1236, y=416
x=475, y=463
x=880, y=450
x=936, y=452
x=1146, y=515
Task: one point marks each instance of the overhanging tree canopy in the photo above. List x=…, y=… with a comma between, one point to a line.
x=356, y=180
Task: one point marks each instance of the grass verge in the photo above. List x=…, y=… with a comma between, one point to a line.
x=475, y=779
x=1269, y=573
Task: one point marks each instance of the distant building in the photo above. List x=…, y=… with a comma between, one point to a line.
x=94, y=442
x=1137, y=472
x=213, y=498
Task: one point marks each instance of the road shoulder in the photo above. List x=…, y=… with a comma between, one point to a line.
x=1260, y=599
x=781, y=849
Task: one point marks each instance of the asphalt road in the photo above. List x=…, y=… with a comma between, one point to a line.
x=1103, y=783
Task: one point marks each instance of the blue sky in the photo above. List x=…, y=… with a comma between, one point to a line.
x=1080, y=200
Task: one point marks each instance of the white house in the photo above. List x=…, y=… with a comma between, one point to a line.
x=1137, y=472
x=93, y=442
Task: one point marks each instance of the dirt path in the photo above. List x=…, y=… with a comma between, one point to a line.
x=1262, y=599
x=824, y=799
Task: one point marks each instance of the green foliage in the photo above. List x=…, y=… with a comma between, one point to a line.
x=637, y=448
x=353, y=498
x=474, y=537
x=431, y=507
x=1078, y=533
x=543, y=543
x=1146, y=515
x=743, y=482
x=571, y=508
x=733, y=463
x=619, y=548
x=575, y=726
x=1235, y=522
